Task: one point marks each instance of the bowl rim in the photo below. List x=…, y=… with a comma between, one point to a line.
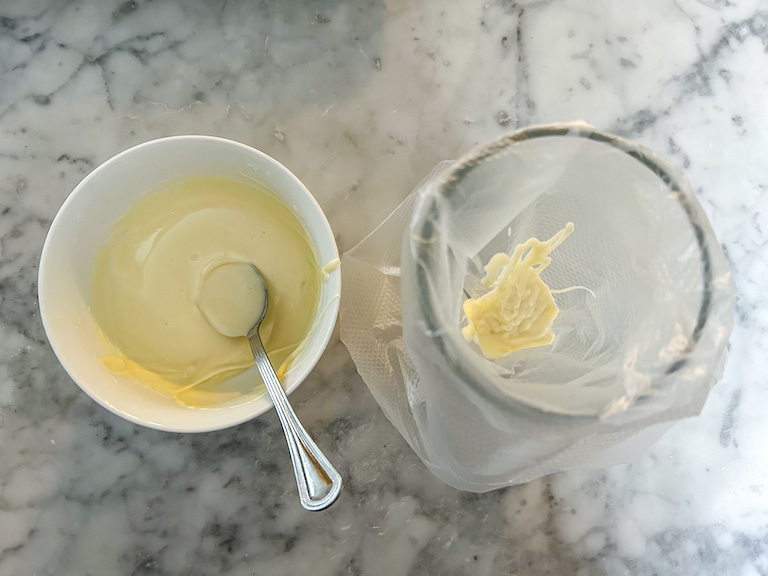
x=326, y=322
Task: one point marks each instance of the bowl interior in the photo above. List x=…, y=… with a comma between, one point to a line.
x=82, y=226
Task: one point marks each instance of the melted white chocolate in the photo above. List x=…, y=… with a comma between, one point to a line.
x=519, y=309
x=148, y=275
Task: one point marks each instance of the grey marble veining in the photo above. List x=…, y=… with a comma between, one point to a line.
x=360, y=100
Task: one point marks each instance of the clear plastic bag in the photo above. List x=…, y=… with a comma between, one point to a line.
x=640, y=352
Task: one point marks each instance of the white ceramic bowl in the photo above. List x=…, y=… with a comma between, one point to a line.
x=83, y=224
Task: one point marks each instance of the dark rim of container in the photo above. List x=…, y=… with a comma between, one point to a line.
x=446, y=187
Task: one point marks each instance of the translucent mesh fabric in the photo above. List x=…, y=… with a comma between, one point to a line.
x=642, y=349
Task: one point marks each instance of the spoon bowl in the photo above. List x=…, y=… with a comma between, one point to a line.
x=233, y=298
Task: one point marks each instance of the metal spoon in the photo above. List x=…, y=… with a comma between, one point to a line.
x=318, y=481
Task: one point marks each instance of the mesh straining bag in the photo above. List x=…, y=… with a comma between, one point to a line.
x=643, y=349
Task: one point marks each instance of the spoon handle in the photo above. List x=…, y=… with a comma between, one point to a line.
x=318, y=481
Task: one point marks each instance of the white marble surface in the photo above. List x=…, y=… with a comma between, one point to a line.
x=361, y=99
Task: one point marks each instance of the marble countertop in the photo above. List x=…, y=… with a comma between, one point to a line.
x=360, y=100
